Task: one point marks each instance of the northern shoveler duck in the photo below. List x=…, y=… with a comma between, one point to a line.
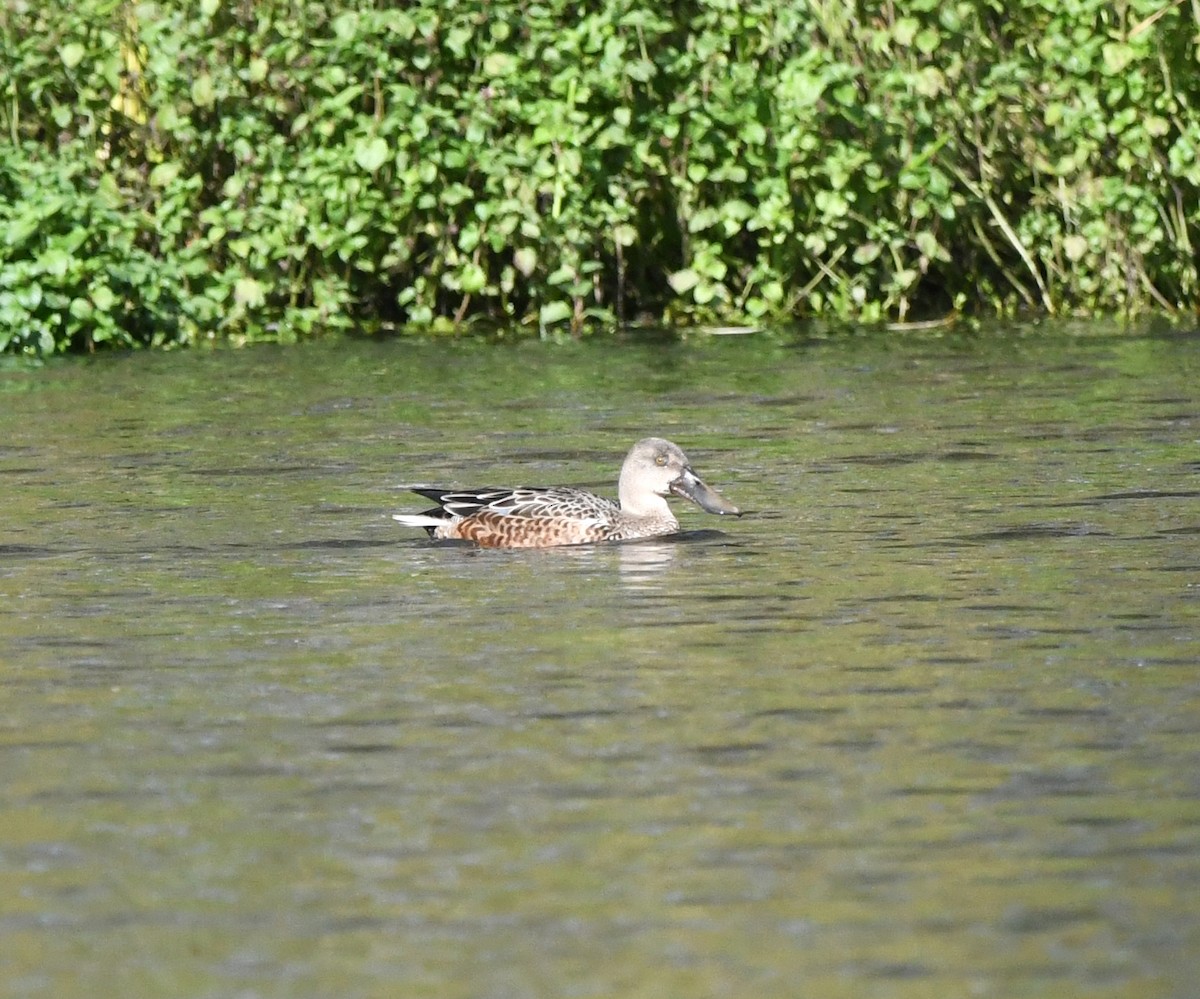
x=543, y=517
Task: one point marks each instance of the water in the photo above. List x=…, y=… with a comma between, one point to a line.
x=925, y=723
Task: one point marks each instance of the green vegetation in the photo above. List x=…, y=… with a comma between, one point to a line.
x=173, y=170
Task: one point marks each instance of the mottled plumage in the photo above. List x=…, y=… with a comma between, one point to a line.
x=543, y=517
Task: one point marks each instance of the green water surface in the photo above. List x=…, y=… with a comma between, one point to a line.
x=924, y=723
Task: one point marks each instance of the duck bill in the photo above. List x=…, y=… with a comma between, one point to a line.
x=690, y=486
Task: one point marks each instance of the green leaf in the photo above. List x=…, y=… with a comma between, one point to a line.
x=703, y=219
x=457, y=39
x=72, y=54
x=103, y=297
x=29, y=296
x=525, y=260
x=498, y=64
x=563, y=275
x=682, y=282
x=249, y=292
x=754, y=133
x=371, y=153
x=867, y=253
x=468, y=238
x=802, y=88
x=554, y=312
x=928, y=245
x=624, y=234
x=1117, y=56
x=1075, y=247
x=456, y=194
x=203, y=93
x=929, y=82
x=20, y=229
x=473, y=279
x=928, y=40
x=1156, y=127
x=55, y=262
x=163, y=174
x=345, y=26
x=641, y=70
x=905, y=29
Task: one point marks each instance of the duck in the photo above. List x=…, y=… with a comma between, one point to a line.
x=549, y=516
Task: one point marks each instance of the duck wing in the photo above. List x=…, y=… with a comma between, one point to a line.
x=525, y=501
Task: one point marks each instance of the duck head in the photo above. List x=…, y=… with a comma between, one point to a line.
x=656, y=468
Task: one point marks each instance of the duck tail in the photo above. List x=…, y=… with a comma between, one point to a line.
x=418, y=520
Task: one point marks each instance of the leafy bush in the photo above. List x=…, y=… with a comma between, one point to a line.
x=175, y=171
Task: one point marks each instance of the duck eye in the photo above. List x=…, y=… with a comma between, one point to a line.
x=660, y=459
